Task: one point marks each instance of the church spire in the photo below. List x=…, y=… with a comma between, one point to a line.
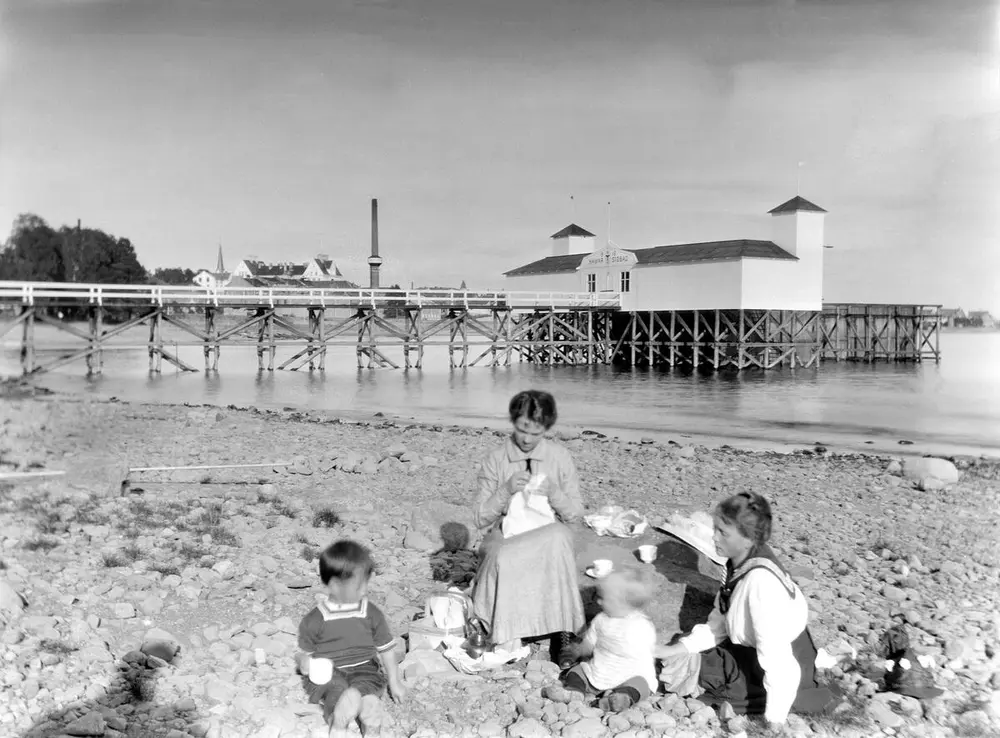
x=220, y=267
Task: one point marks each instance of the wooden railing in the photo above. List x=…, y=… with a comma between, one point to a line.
x=31, y=293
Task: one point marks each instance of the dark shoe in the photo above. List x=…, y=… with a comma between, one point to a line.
x=561, y=651
x=614, y=702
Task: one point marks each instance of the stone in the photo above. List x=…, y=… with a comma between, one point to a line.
x=589, y=727
x=11, y=601
x=928, y=467
x=425, y=662
x=123, y=610
x=528, y=728
x=661, y=721
x=93, y=723
x=884, y=715
x=491, y=729
x=161, y=644
x=218, y=691
x=975, y=722
x=416, y=541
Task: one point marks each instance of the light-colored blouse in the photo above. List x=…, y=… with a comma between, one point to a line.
x=548, y=458
x=761, y=615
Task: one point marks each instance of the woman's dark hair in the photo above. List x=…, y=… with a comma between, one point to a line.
x=344, y=560
x=750, y=513
x=534, y=405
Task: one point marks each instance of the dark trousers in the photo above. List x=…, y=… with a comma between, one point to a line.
x=731, y=673
x=367, y=678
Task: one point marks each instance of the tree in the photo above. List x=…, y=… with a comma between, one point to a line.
x=91, y=255
x=38, y=253
x=33, y=252
x=173, y=275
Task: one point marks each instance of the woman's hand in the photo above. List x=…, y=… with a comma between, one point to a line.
x=669, y=652
x=518, y=482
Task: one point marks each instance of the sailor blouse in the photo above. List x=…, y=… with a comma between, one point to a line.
x=761, y=615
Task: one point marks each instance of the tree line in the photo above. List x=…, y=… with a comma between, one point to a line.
x=36, y=252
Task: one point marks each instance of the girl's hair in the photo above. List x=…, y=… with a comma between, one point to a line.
x=638, y=588
x=345, y=560
x=750, y=513
x=534, y=405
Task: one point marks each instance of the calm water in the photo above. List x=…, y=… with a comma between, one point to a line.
x=954, y=405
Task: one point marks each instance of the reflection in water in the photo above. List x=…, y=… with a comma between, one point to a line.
x=956, y=402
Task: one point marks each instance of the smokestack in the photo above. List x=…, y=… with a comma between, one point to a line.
x=374, y=261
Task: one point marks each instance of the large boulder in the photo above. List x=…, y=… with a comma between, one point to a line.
x=929, y=467
x=161, y=644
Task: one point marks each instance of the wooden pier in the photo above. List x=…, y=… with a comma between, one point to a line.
x=393, y=328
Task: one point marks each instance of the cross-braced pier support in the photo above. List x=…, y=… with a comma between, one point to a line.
x=871, y=333
x=488, y=330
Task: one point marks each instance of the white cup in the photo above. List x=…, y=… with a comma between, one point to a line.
x=602, y=567
x=320, y=670
x=647, y=553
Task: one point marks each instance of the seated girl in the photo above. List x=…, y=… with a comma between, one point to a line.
x=755, y=652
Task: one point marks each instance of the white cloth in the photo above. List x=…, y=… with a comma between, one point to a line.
x=623, y=649
x=763, y=616
x=527, y=511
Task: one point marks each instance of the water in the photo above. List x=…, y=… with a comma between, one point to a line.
x=952, y=407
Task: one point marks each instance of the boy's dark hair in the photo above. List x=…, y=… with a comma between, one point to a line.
x=750, y=513
x=344, y=560
x=535, y=405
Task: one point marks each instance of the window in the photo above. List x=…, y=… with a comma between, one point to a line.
x=591, y=283
x=626, y=281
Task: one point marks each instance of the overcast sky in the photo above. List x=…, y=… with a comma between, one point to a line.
x=268, y=126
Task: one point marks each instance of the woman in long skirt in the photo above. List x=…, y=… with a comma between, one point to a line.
x=526, y=585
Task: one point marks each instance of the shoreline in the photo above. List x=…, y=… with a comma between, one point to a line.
x=789, y=442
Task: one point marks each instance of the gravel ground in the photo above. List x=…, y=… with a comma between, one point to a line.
x=220, y=563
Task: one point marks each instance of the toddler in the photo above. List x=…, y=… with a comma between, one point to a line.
x=619, y=642
x=347, y=646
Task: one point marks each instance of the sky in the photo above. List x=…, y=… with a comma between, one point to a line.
x=483, y=127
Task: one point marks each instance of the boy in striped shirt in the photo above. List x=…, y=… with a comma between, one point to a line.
x=347, y=645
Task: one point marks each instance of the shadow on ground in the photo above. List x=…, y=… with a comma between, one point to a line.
x=686, y=580
x=129, y=707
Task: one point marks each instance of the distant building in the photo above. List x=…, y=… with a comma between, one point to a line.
x=785, y=273
x=213, y=280
x=981, y=319
x=950, y=317
x=318, y=272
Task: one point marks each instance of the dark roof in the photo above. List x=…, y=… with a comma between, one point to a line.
x=682, y=253
x=711, y=251
x=572, y=230
x=795, y=204
x=282, y=281
x=549, y=265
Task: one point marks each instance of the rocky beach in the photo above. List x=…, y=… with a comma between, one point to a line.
x=168, y=606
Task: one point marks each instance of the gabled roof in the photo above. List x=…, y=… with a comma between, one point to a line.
x=682, y=253
x=284, y=281
x=549, y=265
x=795, y=204
x=573, y=230
x=712, y=251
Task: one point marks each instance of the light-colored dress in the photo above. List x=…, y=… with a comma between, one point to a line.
x=622, y=650
x=527, y=585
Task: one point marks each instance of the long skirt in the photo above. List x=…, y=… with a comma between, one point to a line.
x=732, y=673
x=527, y=585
